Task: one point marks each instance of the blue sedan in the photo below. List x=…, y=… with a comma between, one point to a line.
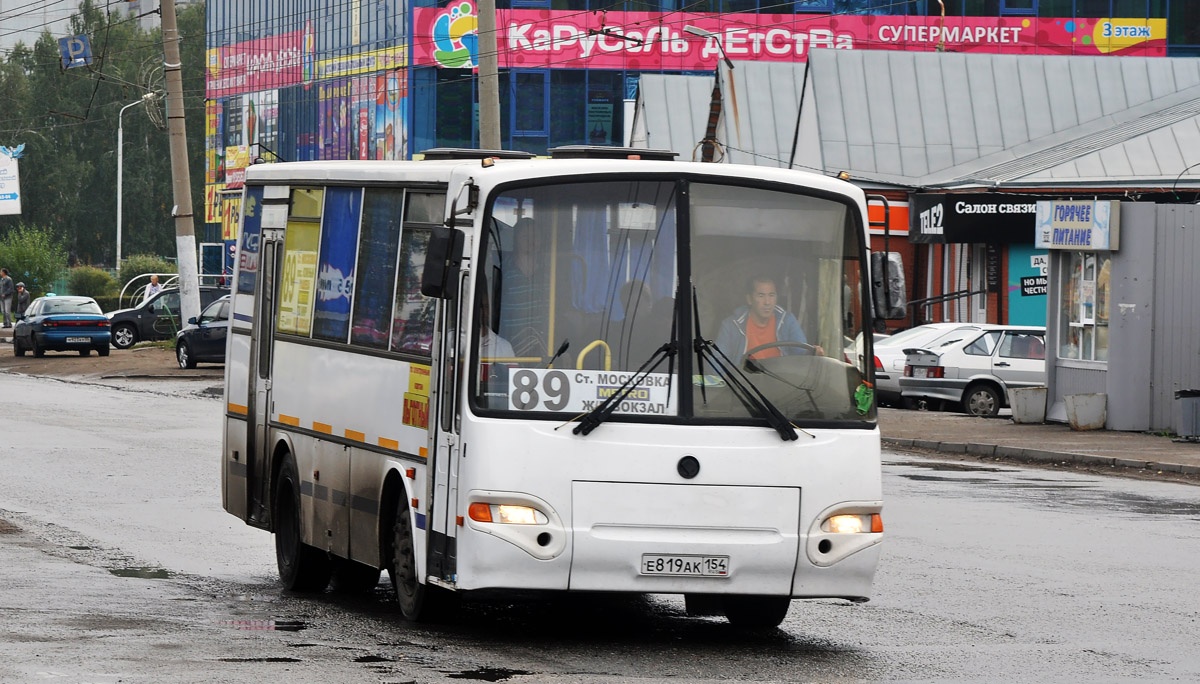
x=62, y=324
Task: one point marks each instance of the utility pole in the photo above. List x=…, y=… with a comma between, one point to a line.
x=489, y=77
x=185, y=230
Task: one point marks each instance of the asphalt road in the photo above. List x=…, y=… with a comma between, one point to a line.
x=118, y=564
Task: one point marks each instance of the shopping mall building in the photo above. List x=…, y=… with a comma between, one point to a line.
x=379, y=79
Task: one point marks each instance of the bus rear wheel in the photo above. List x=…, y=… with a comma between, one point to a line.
x=301, y=567
x=755, y=612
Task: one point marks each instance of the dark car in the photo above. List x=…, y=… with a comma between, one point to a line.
x=203, y=340
x=61, y=324
x=155, y=319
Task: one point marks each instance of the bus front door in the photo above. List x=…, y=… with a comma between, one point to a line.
x=445, y=452
x=259, y=399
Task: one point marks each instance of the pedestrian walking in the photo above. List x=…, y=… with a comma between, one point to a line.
x=6, y=297
x=21, y=301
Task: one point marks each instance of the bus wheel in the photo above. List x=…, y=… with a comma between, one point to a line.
x=301, y=567
x=410, y=592
x=755, y=611
x=352, y=577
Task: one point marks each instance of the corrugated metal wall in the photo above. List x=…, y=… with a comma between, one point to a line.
x=1176, y=357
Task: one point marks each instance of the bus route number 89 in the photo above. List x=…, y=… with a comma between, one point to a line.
x=555, y=391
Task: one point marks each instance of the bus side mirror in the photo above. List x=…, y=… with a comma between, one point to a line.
x=442, y=262
x=887, y=285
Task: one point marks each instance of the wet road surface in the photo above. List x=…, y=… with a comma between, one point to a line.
x=118, y=564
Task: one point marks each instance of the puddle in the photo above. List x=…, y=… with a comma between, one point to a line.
x=373, y=659
x=142, y=573
x=487, y=674
x=951, y=467
x=267, y=625
x=260, y=660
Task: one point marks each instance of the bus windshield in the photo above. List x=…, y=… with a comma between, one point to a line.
x=579, y=287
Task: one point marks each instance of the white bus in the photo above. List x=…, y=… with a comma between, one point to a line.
x=500, y=374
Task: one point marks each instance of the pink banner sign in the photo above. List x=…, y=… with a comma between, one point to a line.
x=652, y=41
x=254, y=65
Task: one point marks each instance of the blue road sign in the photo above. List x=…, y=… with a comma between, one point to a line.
x=76, y=51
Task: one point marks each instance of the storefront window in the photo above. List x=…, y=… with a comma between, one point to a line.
x=1083, y=311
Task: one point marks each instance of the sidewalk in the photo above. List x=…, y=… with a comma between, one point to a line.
x=957, y=433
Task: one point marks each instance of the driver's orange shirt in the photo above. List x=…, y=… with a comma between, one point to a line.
x=761, y=334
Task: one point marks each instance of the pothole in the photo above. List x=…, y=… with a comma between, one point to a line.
x=268, y=625
x=142, y=572
x=487, y=674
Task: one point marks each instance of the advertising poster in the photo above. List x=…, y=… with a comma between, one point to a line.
x=397, y=135
x=233, y=123
x=334, y=101
x=381, y=116
x=1028, y=272
x=212, y=202
x=214, y=143
x=262, y=64
x=649, y=41
x=10, y=180
x=230, y=215
x=298, y=277
x=335, y=275
x=363, y=94
x=261, y=124
x=251, y=231
x=600, y=117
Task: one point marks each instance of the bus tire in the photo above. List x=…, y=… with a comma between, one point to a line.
x=301, y=567
x=352, y=577
x=755, y=612
x=410, y=591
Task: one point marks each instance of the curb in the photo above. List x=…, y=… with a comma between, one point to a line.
x=1039, y=455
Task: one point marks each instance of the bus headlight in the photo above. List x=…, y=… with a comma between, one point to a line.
x=853, y=524
x=843, y=530
x=508, y=514
x=518, y=518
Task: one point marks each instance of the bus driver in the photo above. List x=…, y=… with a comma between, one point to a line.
x=761, y=321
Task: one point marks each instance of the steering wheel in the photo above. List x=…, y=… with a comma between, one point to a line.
x=811, y=349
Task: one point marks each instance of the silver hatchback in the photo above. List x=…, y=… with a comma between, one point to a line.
x=975, y=369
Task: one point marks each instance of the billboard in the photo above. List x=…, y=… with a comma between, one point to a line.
x=532, y=38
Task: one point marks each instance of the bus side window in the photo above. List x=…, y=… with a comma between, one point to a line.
x=412, y=312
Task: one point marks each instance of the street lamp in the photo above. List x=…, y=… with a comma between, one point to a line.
x=697, y=31
x=148, y=97
x=708, y=146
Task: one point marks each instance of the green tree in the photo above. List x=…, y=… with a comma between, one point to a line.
x=89, y=281
x=34, y=256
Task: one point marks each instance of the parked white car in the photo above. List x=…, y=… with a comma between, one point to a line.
x=975, y=369
x=890, y=357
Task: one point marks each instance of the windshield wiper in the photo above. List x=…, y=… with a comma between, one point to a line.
x=746, y=390
x=592, y=419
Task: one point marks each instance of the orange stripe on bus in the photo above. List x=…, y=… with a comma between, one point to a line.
x=389, y=444
x=356, y=435
x=289, y=420
x=323, y=427
x=238, y=408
